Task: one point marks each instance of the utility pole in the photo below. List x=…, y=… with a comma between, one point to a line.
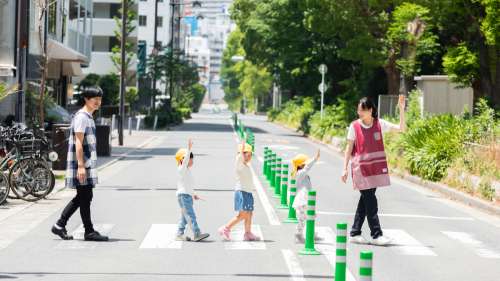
x=123, y=72
x=22, y=47
x=155, y=53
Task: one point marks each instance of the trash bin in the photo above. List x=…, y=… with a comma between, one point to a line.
x=103, y=139
x=60, y=136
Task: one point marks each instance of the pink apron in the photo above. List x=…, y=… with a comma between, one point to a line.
x=369, y=163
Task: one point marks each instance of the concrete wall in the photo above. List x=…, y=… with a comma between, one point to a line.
x=442, y=96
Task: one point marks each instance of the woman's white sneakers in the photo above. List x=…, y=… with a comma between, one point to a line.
x=379, y=241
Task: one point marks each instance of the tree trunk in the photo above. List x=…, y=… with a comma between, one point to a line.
x=496, y=91
x=485, y=80
x=392, y=74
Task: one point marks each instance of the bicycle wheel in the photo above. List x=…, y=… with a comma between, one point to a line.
x=21, y=179
x=4, y=188
x=44, y=181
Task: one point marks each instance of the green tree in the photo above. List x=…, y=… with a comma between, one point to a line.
x=130, y=46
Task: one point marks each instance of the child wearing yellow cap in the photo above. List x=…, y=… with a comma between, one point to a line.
x=301, y=167
x=185, y=195
x=243, y=197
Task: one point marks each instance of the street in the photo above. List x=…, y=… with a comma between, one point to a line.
x=135, y=204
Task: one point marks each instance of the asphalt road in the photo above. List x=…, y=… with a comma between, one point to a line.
x=135, y=204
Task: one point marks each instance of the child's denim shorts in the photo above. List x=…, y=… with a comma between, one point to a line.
x=243, y=201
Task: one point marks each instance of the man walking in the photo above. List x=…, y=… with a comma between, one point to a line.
x=81, y=173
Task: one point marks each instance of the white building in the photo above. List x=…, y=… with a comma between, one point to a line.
x=104, y=39
x=198, y=52
x=146, y=13
x=216, y=26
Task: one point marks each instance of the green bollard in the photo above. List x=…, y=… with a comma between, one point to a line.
x=269, y=162
x=365, y=266
x=284, y=188
x=311, y=216
x=292, y=215
x=341, y=252
x=273, y=171
x=277, y=183
x=266, y=156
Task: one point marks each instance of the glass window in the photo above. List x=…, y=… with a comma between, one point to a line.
x=52, y=21
x=159, y=21
x=143, y=20
x=73, y=9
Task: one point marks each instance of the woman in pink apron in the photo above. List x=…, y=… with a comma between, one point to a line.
x=365, y=150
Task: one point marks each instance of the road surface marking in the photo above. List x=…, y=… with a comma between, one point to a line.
x=328, y=247
x=78, y=236
x=401, y=216
x=237, y=242
x=161, y=236
x=469, y=240
x=296, y=272
x=405, y=244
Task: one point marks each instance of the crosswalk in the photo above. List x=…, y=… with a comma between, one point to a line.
x=163, y=236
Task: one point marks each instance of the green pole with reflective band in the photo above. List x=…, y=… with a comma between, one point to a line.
x=311, y=216
x=277, y=183
x=284, y=187
x=292, y=216
x=341, y=252
x=365, y=266
x=266, y=157
x=269, y=163
x=273, y=171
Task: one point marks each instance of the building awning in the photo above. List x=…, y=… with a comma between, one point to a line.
x=58, y=51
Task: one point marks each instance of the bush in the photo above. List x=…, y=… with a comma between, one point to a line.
x=198, y=94
x=431, y=145
x=296, y=112
x=336, y=119
x=165, y=118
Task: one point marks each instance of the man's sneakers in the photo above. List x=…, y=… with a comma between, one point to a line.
x=381, y=241
x=95, y=236
x=225, y=233
x=358, y=239
x=61, y=232
x=200, y=236
x=249, y=236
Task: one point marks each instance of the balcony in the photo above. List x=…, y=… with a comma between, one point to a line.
x=106, y=27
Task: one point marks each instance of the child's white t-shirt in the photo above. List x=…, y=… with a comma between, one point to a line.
x=386, y=126
x=244, y=176
x=185, y=180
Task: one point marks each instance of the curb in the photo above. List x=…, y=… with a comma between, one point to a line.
x=450, y=192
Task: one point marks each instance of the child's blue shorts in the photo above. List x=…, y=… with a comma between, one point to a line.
x=243, y=201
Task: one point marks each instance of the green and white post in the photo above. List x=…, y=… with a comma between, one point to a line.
x=365, y=266
x=292, y=215
x=272, y=179
x=341, y=252
x=311, y=217
x=284, y=188
x=277, y=183
x=269, y=163
x=266, y=158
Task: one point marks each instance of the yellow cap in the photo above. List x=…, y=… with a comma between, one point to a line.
x=298, y=160
x=248, y=148
x=180, y=155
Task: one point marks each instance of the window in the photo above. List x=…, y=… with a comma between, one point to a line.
x=143, y=20
x=159, y=21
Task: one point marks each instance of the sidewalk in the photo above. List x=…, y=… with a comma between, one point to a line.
x=132, y=142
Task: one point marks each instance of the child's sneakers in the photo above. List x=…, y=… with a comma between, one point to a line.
x=299, y=238
x=225, y=233
x=200, y=236
x=182, y=237
x=249, y=236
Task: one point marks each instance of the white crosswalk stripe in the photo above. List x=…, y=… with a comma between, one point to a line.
x=161, y=236
x=405, y=244
x=468, y=239
x=328, y=247
x=296, y=272
x=78, y=241
x=237, y=242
